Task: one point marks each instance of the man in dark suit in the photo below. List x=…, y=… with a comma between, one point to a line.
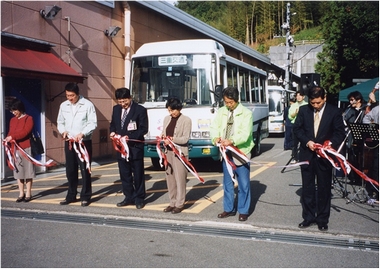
x=317, y=122
x=130, y=119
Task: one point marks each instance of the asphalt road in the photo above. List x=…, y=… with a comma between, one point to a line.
x=43, y=233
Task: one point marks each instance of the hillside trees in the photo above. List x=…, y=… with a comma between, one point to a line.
x=351, y=50
x=254, y=22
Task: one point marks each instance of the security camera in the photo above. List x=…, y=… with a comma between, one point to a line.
x=50, y=12
x=112, y=31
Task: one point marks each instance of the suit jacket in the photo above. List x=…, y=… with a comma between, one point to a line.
x=182, y=132
x=331, y=127
x=137, y=114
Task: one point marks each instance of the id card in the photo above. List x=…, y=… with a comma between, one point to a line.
x=132, y=126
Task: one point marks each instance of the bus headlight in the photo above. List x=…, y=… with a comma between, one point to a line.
x=206, y=134
x=197, y=134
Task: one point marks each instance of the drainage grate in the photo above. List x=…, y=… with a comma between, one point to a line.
x=339, y=242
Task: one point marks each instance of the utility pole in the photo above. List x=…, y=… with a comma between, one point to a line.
x=289, y=43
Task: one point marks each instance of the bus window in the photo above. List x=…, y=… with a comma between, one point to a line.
x=243, y=81
x=156, y=78
x=255, y=88
x=263, y=90
x=231, y=75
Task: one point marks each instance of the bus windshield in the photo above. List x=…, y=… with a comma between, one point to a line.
x=275, y=102
x=185, y=76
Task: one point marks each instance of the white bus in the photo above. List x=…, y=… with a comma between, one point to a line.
x=276, y=109
x=195, y=71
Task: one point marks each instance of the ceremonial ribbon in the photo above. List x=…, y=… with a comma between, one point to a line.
x=161, y=155
x=81, y=152
x=11, y=157
x=120, y=145
x=343, y=163
x=322, y=152
x=177, y=151
x=229, y=163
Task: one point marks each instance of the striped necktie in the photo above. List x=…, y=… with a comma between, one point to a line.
x=230, y=123
x=123, y=118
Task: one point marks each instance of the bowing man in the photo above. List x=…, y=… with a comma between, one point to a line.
x=317, y=122
x=130, y=119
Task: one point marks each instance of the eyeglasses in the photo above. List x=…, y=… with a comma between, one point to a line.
x=352, y=100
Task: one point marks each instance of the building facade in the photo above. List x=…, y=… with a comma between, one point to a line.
x=56, y=42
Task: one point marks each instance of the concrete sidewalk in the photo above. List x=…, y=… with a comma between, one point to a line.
x=275, y=201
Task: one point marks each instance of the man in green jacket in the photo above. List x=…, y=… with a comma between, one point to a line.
x=233, y=126
x=292, y=115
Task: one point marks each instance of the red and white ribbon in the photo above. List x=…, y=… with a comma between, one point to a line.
x=163, y=161
x=326, y=148
x=81, y=151
x=120, y=145
x=10, y=149
x=229, y=163
x=177, y=151
x=322, y=151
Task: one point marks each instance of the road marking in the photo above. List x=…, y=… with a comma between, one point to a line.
x=197, y=205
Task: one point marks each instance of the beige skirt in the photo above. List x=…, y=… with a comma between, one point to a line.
x=25, y=169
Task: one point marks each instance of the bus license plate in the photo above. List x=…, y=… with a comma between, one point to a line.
x=206, y=151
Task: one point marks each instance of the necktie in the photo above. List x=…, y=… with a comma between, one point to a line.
x=123, y=118
x=230, y=123
x=316, y=122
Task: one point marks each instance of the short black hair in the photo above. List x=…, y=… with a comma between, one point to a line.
x=72, y=87
x=174, y=103
x=316, y=92
x=122, y=93
x=356, y=95
x=302, y=93
x=17, y=105
x=231, y=93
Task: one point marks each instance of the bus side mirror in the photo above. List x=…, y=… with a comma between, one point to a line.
x=218, y=93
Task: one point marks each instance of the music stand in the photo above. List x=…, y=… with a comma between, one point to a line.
x=362, y=134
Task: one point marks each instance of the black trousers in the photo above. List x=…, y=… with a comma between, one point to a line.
x=295, y=146
x=72, y=163
x=316, y=196
x=132, y=179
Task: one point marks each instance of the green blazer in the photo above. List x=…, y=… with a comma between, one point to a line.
x=241, y=130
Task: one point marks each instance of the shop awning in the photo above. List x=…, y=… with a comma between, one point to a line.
x=36, y=64
x=364, y=88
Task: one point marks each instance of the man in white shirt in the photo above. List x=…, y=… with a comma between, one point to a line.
x=76, y=120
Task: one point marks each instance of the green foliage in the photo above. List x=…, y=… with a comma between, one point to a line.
x=350, y=30
x=351, y=50
x=309, y=34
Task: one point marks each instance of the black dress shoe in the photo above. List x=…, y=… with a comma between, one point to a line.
x=225, y=214
x=66, y=202
x=84, y=203
x=20, y=199
x=124, y=203
x=139, y=205
x=27, y=199
x=243, y=217
x=323, y=227
x=305, y=224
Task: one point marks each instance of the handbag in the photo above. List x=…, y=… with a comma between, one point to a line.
x=36, y=144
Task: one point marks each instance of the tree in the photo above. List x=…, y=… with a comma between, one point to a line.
x=254, y=23
x=351, y=49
